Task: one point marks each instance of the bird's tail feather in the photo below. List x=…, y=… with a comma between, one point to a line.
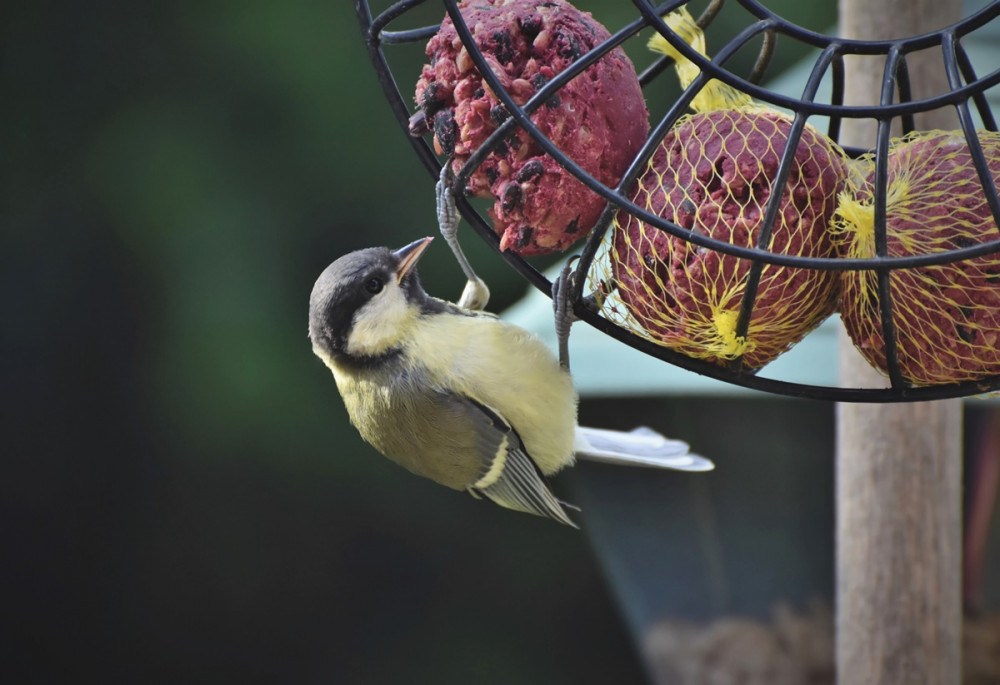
x=640, y=447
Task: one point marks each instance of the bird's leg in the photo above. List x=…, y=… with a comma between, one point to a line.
x=476, y=294
x=562, y=286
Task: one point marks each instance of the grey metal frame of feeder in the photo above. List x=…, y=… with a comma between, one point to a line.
x=967, y=94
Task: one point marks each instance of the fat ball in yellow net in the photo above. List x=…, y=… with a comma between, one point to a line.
x=713, y=174
x=946, y=316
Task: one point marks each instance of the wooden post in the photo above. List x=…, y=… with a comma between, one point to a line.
x=898, y=473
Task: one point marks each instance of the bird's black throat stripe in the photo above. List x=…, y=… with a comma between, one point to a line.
x=369, y=361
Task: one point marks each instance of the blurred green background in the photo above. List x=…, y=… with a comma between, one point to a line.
x=183, y=499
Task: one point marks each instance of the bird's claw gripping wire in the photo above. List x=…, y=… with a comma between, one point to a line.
x=475, y=295
x=562, y=288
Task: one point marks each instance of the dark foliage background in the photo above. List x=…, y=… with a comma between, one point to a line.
x=182, y=499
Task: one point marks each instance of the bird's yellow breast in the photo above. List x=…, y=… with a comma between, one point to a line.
x=408, y=421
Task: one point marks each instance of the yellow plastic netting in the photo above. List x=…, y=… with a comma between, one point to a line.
x=947, y=317
x=713, y=174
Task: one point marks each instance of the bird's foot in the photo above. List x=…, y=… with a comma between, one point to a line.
x=562, y=307
x=475, y=295
x=448, y=215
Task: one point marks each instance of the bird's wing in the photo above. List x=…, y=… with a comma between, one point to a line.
x=512, y=478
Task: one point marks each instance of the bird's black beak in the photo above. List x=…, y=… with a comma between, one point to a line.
x=409, y=256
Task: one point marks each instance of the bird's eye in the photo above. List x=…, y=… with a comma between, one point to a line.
x=374, y=285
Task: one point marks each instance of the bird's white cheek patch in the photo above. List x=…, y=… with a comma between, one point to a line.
x=381, y=324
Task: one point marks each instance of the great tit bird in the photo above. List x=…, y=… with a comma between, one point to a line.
x=455, y=394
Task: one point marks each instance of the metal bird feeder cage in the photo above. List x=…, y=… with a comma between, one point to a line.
x=898, y=106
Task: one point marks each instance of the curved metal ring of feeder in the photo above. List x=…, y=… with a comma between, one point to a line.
x=965, y=86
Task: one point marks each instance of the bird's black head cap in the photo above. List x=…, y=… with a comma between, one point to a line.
x=356, y=280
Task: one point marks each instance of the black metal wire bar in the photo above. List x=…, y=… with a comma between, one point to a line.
x=969, y=74
x=390, y=14
x=669, y=6
x=408, y=36
x=979, y=160
x=905, y=93
x=848, y=47
x=371, y=30
x=655, y=69
x=424, y=151
x=682, y=103
x=763, y=57
x=974, y=21
x=778, y=186
x=833, y=263
x=520, y=115
x=703, y=21
x=836, y=92
x=660, y=65
x=653, y=141
x=791, y=389
x=880, y=199
x=654, y=17
x=709, y=14
x=384, y=74
x=639, y=163
x=876, y=47
x=590, y=248
x=825, y=263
